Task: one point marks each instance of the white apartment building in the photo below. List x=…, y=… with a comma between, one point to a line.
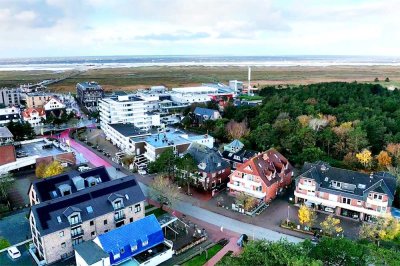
x=128, y=109
x=188, y=95
x=9, y=114
x=10, y=97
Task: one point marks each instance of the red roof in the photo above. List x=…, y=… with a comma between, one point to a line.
x=29, y=111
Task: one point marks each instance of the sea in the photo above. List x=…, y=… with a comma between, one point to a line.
x=87, y=62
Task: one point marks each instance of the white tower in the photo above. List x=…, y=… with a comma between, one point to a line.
x=249, y=78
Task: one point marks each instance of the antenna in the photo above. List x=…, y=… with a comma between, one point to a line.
x=249, y=78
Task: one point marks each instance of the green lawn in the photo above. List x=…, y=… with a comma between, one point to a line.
x=4, y=243
x=251, y=98
x=201, y=259
x=157, y=212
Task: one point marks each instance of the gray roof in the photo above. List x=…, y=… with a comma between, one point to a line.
x=205, y=111
x=209, y=157
x=50, y=215
x=234, y=146
x=128, y=130
x=238, y=157
x=91, y=252
x=359, y=184
x=5, y=133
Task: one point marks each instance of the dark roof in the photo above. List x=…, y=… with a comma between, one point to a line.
x=48, y=214
x=205, y=111
x=127, y=130
x=90, y=252
x=132, y=234
x=45, y=188
x=209, y=158
x=5, y=133
x=359, y=184
x=238, y=157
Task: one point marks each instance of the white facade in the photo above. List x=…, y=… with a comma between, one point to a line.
x=128, y=109
x=236, y=86
x=34, y=116
x=188, y=95
x=53, y=103
x=9, y=114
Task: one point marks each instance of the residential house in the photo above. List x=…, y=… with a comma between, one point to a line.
x=54, y=107
x=204, y=114
x=213, y=170
x=89, y=93
x=9, y=114
x=139, y=243
x=74, y=207
x=10, y=97
x=262, y=176
x=34, y=116
x=37, y=99
x=347, y=193
x=235, y=154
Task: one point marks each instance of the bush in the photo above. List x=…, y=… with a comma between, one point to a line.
x=4, y=243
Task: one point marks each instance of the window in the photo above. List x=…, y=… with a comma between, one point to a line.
x=118, y=204
x=122, y=250
x=93, y=233
x=77, y=241
x=74, y=219
x=63, y=245
x=105, y=231
x=259, y=188
x=346, y=200
x=91, y=223
x=105, y=221
x=61, y=233
x=138, y=208
x=133, y=248
x=378, y=196
x=359, y=203
x=145, y=243
x=131, y=220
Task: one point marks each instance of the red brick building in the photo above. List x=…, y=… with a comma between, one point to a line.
x=7, y=154
x=262, y=176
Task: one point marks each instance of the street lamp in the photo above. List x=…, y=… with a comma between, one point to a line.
x=287, y=220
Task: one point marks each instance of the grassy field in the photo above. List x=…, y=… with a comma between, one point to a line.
x=130, y=79
x=201, y=259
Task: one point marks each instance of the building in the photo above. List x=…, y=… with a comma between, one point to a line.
x=262, y=176
x=347, y=193
x=89, y=93
x=236, y=86
x=73, y=207
x=37, y=99
x=139, y=243
x=7, y=149
x=128, y=109
x=235, y=154
x=204, y=114
x=122, y=136
x=34, y=116
x=213, y=170
x=54, y=107
x=178, y=140
x=9, y=114
x=10, y=97
x=189, y=95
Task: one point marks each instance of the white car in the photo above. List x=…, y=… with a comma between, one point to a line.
x=328, y=209
x=14, y=252
x=142, y=172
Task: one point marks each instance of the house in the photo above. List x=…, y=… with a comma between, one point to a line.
x=74, y=207
x=37, y=99
x=10, y=97
x=176, y=139
x=213, y=170
x=189, y=95
x=9, y=114
x=6, y=137
x=139, y=243
x=89, y=93
x=54, y=107
x=203, y=114
x=235, y=154
x=262, y=176
x=34, y=116
x=347, y=193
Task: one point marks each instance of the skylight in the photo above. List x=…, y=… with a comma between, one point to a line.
x=89, y=209
x=59, y=219
x=361, y=186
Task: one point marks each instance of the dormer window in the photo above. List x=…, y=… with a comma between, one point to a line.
x=65, y=189
x=145, y=242
x=74, y=219
x=133, y=248
x=118, y=204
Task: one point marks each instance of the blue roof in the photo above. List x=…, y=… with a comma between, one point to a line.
x=204, y=111
x=132, y=234
x=234, y=146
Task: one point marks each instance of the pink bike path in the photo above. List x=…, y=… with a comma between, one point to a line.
x=92, y=158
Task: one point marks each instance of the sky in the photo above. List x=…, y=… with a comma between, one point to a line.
x=41, y=28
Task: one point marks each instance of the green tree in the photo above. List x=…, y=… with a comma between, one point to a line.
x=187, y=167
x=165, y=163
x=6, y=182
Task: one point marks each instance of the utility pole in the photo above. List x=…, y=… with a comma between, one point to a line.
x=249, y=78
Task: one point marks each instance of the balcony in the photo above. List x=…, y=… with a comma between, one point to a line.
x=306, y=186
x=246, y=181
x=119, y=217
x=75, y=223
x=377, y=202
x=253, y=193
x=78, y=233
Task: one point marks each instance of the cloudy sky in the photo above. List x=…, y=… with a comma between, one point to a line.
x=225, y=27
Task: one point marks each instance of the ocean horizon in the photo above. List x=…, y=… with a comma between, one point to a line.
x=87, y=62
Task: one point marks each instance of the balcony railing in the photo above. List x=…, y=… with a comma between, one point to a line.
x=77, y=233
x=118, y=218
x=75, y=223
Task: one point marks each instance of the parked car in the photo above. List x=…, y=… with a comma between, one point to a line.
x=329, y=209
x=83, y=168
x=13, y=252
x=142, y=172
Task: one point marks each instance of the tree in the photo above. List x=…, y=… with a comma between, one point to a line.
x=331, y=226
x=6, y=181
x=385, y=228
x=165, y=163
x=164, y=191
x=245, y=200
x=365, y=158
x=306, y=216
x=384, y=160
x=376, y=79
x=387, y=79
x=54, y=168
x=237, y=130
x=21, y=130
x=186, y=166
x=127, y=160
x=394, y=150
